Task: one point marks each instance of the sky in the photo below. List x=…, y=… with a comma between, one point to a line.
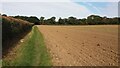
x=60, y=8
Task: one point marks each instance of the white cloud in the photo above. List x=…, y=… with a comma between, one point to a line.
x=59, y=0
x=35, y=0
x=47, y=9
x=0, y=7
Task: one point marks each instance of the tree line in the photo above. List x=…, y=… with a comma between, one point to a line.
x=90, y=20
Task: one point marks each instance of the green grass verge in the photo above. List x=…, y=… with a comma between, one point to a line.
x=32, y=52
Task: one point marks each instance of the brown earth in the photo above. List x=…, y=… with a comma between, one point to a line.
x=82, y=45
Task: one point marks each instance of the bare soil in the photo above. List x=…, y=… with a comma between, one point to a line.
x=82, y=45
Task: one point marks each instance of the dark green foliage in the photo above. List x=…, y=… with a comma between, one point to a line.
x=91, y=20
x=94, y=19
x=31, y=19
x=4, y=15
x=34, y=20
x=13, y=28
x=50, y=21
x=63, y=21
x=41, y=20
x=97, y=20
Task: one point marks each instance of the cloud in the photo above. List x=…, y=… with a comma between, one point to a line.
x=35, y=0
x=47, y=9
x=0, y=7
x=59, y=0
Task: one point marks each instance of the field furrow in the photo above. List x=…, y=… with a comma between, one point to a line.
x=82, y=45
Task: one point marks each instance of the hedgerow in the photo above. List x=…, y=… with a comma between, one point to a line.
x=12, y=29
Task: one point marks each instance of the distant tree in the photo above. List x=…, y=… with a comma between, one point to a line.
x=104, y=20
x=83, y=21
x=115, y=20
x=34, y=20
x=50, y=21
x=42, y=20
x=47, y=22
x=65, y=21
x=22, y=17
x=94, y=19
x=31, y=19
x=90, y=20
x=4, y=15
x=72, y=20
x=53, y=20
x=60, y=21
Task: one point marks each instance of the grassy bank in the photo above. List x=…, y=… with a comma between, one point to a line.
x=32, y=52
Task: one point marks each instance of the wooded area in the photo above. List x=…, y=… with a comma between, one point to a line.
x=90, y=20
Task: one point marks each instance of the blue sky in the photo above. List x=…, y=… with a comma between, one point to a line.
x=109, y=9
x=94, y=6
x=61, y=9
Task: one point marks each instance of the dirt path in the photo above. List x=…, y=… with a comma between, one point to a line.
x=82, y=45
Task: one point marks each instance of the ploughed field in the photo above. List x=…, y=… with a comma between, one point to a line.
x=93, y=45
